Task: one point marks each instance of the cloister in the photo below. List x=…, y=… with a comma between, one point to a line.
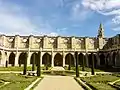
x=59, y=50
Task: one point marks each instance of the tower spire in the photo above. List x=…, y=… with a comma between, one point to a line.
x=101, y=31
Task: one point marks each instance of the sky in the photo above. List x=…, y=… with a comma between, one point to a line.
x=59, y=17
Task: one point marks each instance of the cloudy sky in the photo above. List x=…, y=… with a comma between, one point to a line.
x=59, y=17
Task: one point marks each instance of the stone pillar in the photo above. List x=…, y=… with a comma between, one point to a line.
x=16, y=58
x=4, y=39
x=4, y=58
x=41, y=58
x=45, y=41
x=28, y=58
x=86, y=43
x=52, y=59
x=31, y=41
x=58, y=42
x=63, y=59
x=16, y=41
x=72, y=42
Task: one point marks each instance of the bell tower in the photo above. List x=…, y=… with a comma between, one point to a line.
x=101, y=31
x=100, y=37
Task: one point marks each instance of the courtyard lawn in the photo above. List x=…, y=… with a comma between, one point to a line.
x=16, y=81
x=117, y=84
x=100, y=82
x=86, y=69
x=17, y=68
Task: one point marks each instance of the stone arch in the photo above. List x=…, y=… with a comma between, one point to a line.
x=90, y=59
x=12, y=59
x=58, y=60
x=32, y=57
x=46, y=59
x=114, y=58
x=102, y=59
x=22, y=58
x=69, y=59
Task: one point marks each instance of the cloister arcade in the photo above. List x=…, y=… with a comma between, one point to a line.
x=52, y=59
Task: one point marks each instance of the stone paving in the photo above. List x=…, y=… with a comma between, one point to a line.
x=58, y=83
x=57, y=68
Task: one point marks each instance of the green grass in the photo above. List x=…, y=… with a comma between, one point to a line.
x=100, y=82
x=86, y=69
x=17, y=82
x=1, y=83
x=36, y=84
x=17, y=68
x=117, y=84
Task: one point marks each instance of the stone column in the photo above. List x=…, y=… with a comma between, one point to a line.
x=72, y=42
x=45, y=41
x=63, y=59
x=41, y=58
x=3, y=40
x=86, y=43
x=28, y=58
x=52, y=59
x=6, y=59
x=16, y=58
x=16, y=41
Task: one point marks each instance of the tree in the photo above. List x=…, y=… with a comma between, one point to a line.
x=83, y=63
x=33, y=62
x=77, y=69
x=92, y=68
x=25, y=64
x=38, y=65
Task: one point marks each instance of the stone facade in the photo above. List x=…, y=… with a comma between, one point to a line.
x=58, y=48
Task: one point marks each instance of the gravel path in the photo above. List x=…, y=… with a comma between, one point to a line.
x=58, y=83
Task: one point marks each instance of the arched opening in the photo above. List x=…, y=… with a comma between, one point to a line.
x=107, y=59
x=12, y=59
x=90, y=60
x=95, y=60
x=32, y=58
x=58, y=60
x=80, y=59
x=69, y=59
x=22, y=58
x=46, y=59
x=102, y=59
x=114, y=58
